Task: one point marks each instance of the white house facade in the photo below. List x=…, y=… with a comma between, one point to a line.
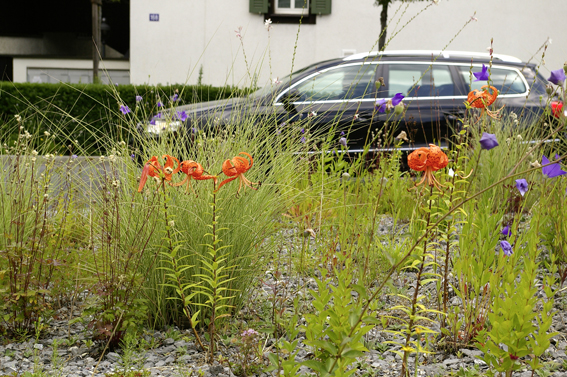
x=172, y=40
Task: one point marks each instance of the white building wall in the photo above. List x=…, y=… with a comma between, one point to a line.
x=195, y=33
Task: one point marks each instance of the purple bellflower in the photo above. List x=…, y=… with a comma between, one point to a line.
x=398, y=97
x=506, y=248
x=124, y=109
x=380, y=105
x=557, y=77
x=482, y=75
x=522, y=186
x=182, y=116
x=507, y=231
x=138, y=98
x=153, y=121
x=553, y=170
x=159, y=104
x=488, y=141
x=175, y=97
x=343, y=141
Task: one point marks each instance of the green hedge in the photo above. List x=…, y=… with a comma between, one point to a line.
x=87, y=111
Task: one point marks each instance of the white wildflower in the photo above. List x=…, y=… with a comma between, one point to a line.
x=309, y=232
x=535, y=164
x=403, y=136
x=171, y=223
x=451, y=172
x=47, y=134
x=268, y=24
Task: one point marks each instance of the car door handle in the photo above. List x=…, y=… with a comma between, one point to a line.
x=454, y=115
x=363, y=115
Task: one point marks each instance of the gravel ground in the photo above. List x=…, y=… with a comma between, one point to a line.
x=174, y=352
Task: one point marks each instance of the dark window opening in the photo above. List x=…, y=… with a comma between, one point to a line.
x=6, y=68
x=278, y=14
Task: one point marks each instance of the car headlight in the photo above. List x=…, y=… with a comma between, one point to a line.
x=159, y=126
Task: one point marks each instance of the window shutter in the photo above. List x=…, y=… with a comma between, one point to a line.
x=320, y=6
x=259, y=6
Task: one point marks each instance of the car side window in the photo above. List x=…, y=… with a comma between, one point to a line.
x=341, y=83
x=419, y=80
x=507, y=81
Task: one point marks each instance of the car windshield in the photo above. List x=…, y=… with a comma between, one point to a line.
x=278, y=84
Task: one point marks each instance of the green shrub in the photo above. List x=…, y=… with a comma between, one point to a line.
x=87, y=112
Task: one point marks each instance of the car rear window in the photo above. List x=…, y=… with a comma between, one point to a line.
x=507, y=81
x=419, y=80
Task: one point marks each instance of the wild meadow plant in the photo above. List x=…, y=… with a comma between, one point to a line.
x=234, y=217
x=38, y=199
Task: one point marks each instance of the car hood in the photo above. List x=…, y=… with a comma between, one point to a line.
x=223, y=104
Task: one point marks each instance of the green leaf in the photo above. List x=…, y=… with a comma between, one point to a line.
x=315, y=365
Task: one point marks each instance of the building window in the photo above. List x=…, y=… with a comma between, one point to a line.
x=291, y=11
x=295, y=7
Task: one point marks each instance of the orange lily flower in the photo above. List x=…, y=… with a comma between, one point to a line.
x=168, y=167
x=236, y=168
x=193, y=170
x=151, y=168
x=429, y=160
x=481, y=99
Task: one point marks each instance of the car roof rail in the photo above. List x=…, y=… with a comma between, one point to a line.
x=444, y=54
